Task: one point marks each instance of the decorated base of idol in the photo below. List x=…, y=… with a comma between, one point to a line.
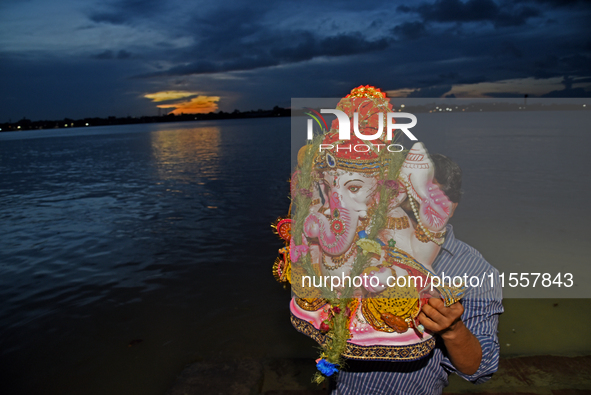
x=360, y=238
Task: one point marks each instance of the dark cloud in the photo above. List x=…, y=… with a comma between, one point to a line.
x=578, y=63
x=472, y=78
x=239, y=38
x=339, y=45
x=563, y=3
x=410, y=30
x=55, y=88
x=567, y=93
x=109, y=54
x=457, y=11
x=516, y=18
x=508, y=49
x=107, y=17
x=553, y=65
x=123, y=54
x=124, y=11
x=275, y=49
x=451, y=76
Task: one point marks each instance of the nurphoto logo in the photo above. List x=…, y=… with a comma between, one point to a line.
x=345, y=129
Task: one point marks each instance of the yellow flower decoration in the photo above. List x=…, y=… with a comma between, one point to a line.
x=369, y=246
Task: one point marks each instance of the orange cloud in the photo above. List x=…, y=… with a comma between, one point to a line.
x=196, y=105
x=169, y=95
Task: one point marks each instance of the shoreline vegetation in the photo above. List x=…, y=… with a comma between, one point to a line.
x=27, y=124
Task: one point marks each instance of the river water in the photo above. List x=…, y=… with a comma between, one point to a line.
x=130, y=251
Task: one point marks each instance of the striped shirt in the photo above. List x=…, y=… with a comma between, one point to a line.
x=429, y=375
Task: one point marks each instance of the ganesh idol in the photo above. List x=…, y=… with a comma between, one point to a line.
x=366, y=226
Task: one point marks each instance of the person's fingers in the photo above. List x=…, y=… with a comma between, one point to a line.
x=436, y=302
x=433, y=313
x=428, y=323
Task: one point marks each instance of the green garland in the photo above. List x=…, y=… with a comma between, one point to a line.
x=338, y=333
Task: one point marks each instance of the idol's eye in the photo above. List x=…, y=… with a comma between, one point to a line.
x=354, y=188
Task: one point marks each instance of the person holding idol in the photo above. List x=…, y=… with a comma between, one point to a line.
x=371, y=257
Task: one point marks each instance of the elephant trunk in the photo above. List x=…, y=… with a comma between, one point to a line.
x=333, y=241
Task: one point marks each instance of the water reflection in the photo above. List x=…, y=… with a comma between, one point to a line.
x=183, y=154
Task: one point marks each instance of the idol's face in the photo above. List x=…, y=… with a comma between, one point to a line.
x=354, y=191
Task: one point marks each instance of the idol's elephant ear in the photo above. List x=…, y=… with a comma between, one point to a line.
x=417, y=174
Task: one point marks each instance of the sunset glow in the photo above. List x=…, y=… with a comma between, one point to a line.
x=169, y=95
x=197, y=104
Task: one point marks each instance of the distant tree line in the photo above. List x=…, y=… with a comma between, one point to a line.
x=26, y=124
x=475, y=106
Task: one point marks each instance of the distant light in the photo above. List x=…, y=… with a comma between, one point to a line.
x=402, y=105
x=86, y=123
x=65, y=125
x=18, y=127
x=584, y=105
x=439, y=109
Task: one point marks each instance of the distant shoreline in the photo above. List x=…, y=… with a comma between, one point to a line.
x=26, y=124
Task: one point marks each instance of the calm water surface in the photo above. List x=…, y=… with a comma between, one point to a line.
x=158, y=233
x=130, y=251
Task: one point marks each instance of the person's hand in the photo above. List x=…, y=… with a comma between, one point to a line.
x=444, y=321
x=463, y=348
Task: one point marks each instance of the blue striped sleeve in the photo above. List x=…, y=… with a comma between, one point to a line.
x=482, y=307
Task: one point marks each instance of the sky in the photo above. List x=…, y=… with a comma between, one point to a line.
x=98, y=58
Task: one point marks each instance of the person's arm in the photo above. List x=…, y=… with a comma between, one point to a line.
x=463, y=348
